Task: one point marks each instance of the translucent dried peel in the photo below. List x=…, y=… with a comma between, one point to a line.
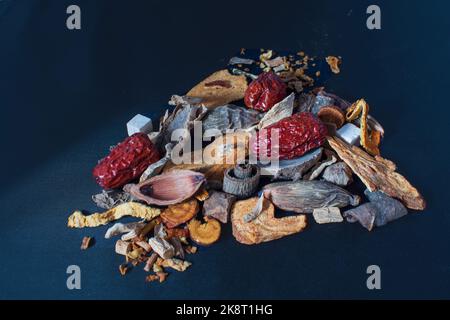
x=132, y=209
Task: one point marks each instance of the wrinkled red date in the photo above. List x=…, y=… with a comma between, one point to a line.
x=264, y=92
x=127, y=161
x=297, y=135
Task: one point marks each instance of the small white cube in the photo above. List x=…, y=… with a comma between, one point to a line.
x=350, y=134
x=139, y=124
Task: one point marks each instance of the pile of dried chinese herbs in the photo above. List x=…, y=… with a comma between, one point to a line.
x=271, y=138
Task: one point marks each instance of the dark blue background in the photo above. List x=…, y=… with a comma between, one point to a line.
x=65, y=96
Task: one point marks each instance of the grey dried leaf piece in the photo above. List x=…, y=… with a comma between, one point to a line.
x=364, y=214
x=156, y=168
x=281, y=110
x=305, y=196
x=318, y=169
x=163, y=248
x=228, y=118
x=176, y=100
x=218, y=205
x=327, y=215
x=389, y=209
x=120, y=228
x=292, y=169
x=306, y=102
x=176, y=264
x=339, y=173
x=108, y=199
x=239, y=60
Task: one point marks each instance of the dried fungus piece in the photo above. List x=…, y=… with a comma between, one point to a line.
x=205, y=233
x=265, y=227
x=177, y=214
x=332, y=114
x=86, y=243
x=167, y=188
x=334, y=63
x=378, y=173
x=132, y=209
x=305, y=196
x=219, y=89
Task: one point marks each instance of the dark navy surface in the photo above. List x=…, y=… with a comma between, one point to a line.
x=65, y=97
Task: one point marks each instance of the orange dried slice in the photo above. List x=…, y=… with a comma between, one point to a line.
x=206, y=233
x=180, y=213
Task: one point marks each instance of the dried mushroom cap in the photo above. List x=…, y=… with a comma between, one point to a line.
x=180, y=213
x=332, y=114
x=206, y=233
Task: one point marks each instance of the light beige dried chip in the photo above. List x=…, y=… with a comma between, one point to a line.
x=133, y=209
x=219, y=89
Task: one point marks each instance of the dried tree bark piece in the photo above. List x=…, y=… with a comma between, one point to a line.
x=228, y=149
x=378, y=173
x=339, y=174
x=180, y=213
x=206, y=233
x=163, y=248
x=219, y=89
x=327, y=215
x=265, y=227
x=218, y=206
x=133, y=209
x=176, y=264
x=108, y=199
x=86, y=243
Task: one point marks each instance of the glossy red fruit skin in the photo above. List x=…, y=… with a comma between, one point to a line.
x=265, y=91
x=126, y=162
x=297, y=134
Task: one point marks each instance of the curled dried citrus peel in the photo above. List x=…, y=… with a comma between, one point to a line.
x=369, y=143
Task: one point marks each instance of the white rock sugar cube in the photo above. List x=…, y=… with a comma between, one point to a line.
x=350, y=134
x=139, y=123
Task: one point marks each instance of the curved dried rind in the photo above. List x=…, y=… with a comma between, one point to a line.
x=265, y=227
x=176, y=214
x=219, y=89
x=133, y=209
x=378, y=173
x=168, y=188
x=305, y=196
x=206, y=233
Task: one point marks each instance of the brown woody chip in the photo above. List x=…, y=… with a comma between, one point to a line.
x=86, y=243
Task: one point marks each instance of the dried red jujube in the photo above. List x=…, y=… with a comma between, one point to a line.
x=126, y=162
x=297, y=135
x=265, y=91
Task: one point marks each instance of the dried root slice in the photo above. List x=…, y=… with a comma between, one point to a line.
x=378, y=173
x=370, y=144
x=206, y=233
x=180, y=213
x=332, y=114
x=176, y=264
x=133, y=209
x=86, y=243
x=265, y=227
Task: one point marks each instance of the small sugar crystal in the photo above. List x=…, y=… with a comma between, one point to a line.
x=350, y=134
x=139, y=124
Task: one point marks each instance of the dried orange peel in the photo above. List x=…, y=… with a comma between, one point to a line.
x=370, y=144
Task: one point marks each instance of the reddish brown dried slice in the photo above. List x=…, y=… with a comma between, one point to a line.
x=332, y=114
x=180, y=213
x=206, y=233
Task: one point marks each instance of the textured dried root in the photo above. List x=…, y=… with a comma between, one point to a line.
x=370, y=144
x=133, y=209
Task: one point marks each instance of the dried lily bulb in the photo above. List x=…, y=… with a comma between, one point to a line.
x=168, y=188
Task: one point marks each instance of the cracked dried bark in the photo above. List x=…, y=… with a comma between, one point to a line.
x=378, y=173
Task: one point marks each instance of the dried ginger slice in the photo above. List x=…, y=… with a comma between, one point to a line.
x=370, y=144
x=133, y=209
